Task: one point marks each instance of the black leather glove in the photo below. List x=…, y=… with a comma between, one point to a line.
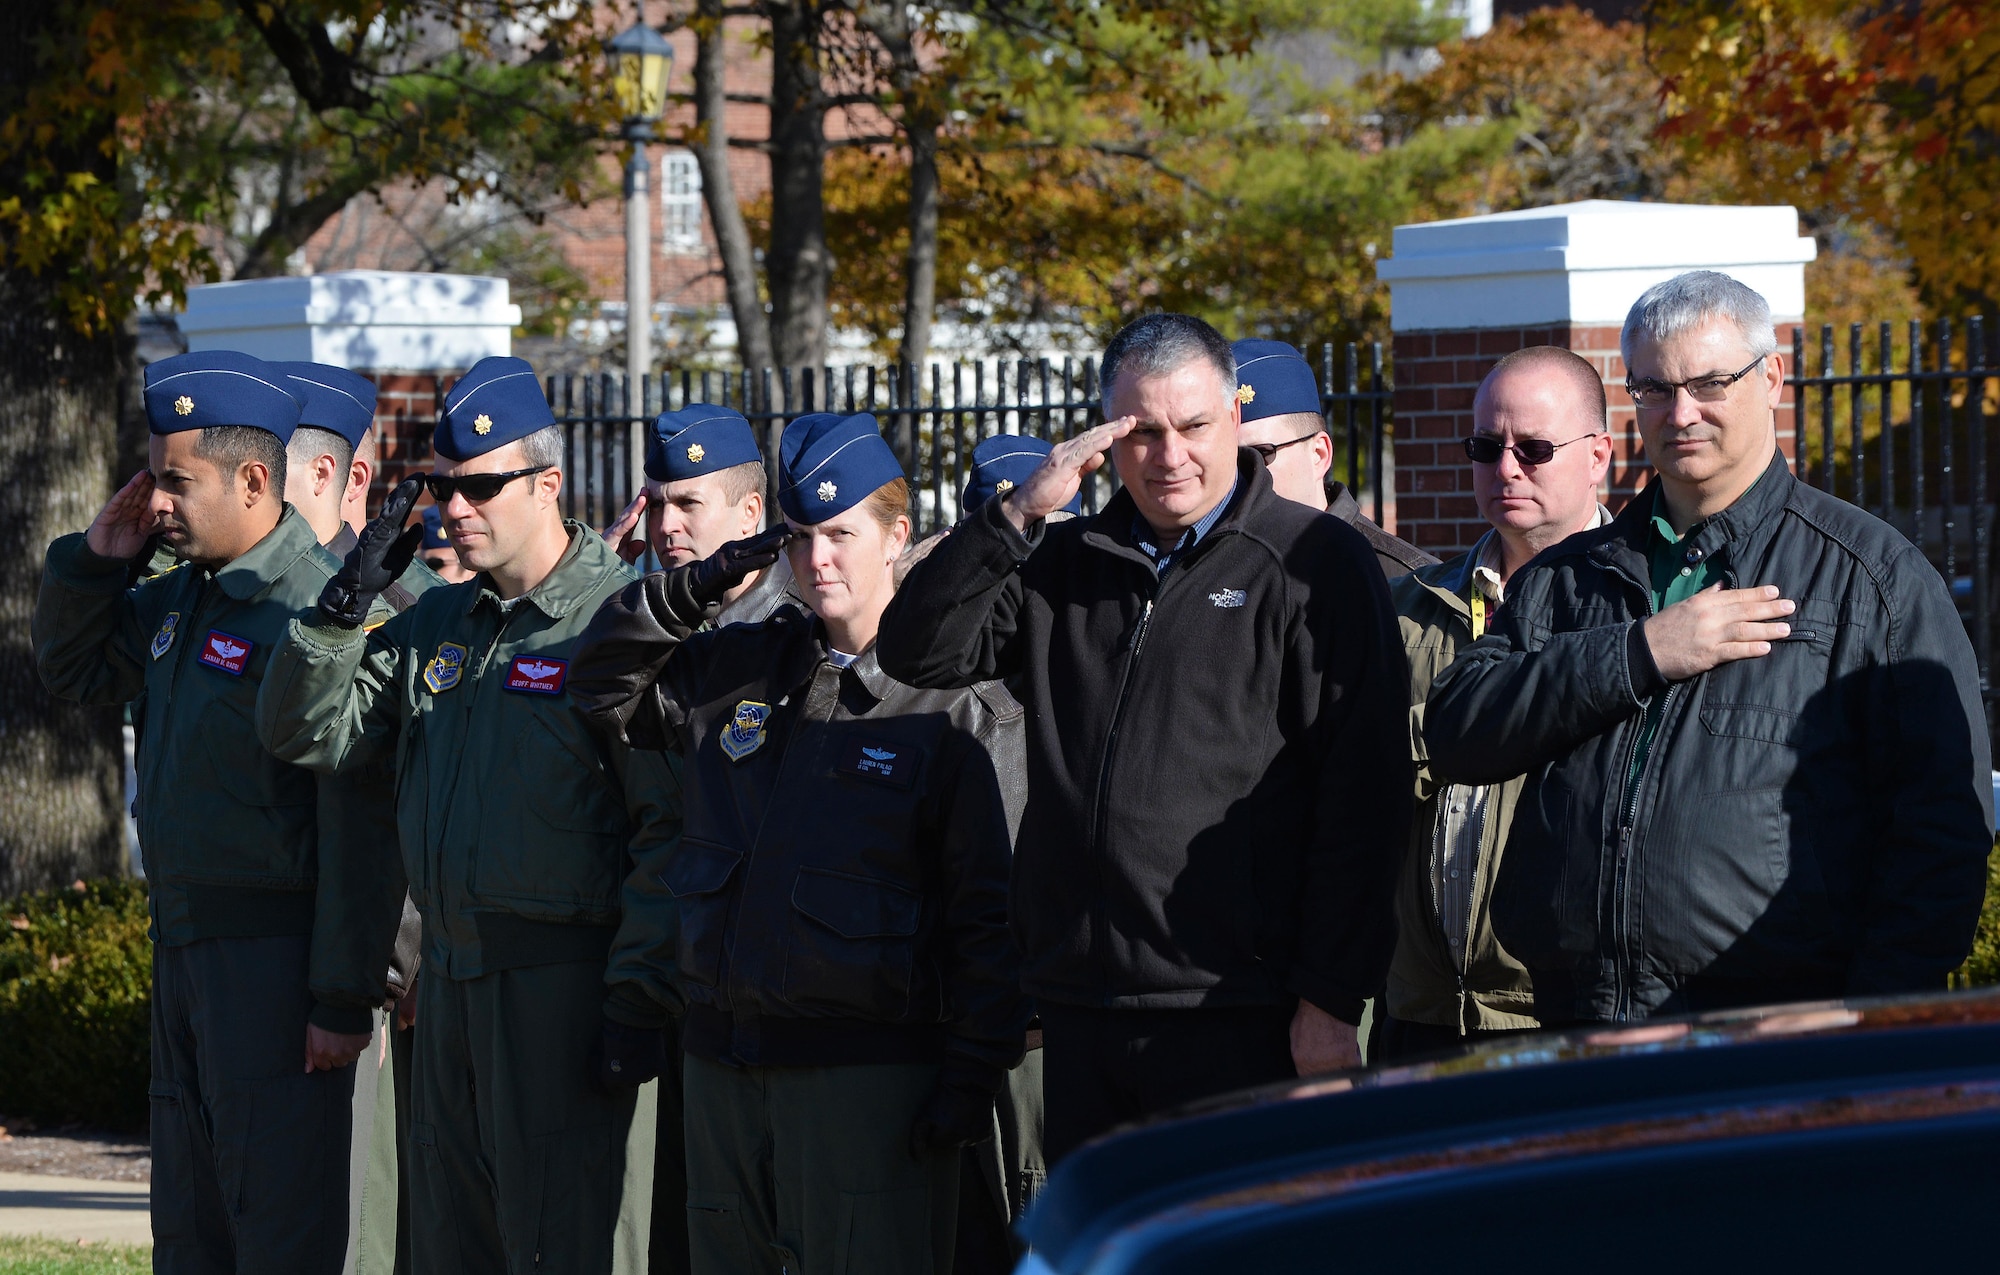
x=724, y=569
x=682, y=598
x=626, y=1057
x=381, y=556
x=954, y=1116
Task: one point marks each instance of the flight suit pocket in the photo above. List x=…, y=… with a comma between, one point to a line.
x=287, y=1205
x=852, y=945
x=579, y=1173
x=696, y=877
x=243, y=769
x=718, y=1234
x=179, y=1145
x=884, y=1232
x=560, y=834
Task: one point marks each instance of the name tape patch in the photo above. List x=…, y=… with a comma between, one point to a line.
x=893, y=764
x=226, y=652
x=537, y=674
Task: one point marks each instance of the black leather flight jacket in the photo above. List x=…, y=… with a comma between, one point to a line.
x=842, y=873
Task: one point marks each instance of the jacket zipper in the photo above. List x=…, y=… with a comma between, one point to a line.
x=1628, y=819
x=1110, y=751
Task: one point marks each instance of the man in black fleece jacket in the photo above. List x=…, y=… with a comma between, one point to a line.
x=1218, y=761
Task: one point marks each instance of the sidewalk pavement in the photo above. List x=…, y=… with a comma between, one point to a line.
x=75, y=1208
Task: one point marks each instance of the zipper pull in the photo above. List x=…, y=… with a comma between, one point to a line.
x=1139, y=628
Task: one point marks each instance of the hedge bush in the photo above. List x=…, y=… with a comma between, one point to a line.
x=1982, y=968
x=75, y=992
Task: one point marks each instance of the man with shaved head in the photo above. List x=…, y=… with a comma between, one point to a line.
x=1539, y=452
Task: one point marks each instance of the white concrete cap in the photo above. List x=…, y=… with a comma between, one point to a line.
x=380, y=320
x=1585, y=263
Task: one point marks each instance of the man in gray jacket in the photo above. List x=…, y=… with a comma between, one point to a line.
x=1758, y=762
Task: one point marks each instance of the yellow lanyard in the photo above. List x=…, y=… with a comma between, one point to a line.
x=1478, y=614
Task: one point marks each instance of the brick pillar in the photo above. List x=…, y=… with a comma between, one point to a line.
x=406, y=411
x=1436, y=376
x=1466, y=292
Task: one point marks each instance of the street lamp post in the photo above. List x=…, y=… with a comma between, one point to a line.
x=641, y=59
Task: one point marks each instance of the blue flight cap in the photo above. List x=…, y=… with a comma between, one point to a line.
x=1274, y=379
x=1002, y=463
x=207, y=389
x=699, y=439
x=828, y=464
x=337, y=400
x=434, y=529
x=496, y=403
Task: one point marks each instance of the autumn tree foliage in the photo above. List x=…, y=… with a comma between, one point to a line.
x=1881, y=117
x=148, y=144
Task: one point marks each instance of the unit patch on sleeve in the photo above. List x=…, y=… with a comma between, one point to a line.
x=226, y=652
x=537, y=674
x=894, y=764
x=745, y=733
x=445, y=668
x=165, y=637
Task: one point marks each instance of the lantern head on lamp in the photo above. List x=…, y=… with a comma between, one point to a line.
x=640, y=61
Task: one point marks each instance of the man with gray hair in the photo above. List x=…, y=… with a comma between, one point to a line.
x=1757, y=759
x=1218, y=768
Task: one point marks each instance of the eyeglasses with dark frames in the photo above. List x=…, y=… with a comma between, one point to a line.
x=1269, y=450
x=1485, y=449
x=477, y=488
x=1712, y=387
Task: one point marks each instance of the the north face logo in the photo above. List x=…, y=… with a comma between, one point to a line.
x=1229, y=598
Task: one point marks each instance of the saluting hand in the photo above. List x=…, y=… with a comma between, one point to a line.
x=1714, y=627
x=1061, y=475
x=378, y=558
x=619, y=534
x=711, y=579
x=127, y=520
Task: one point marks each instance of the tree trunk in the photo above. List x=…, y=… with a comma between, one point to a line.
x=894, y=29
x=61, y=767
x=732, y=237
x=920, y=267
x=798, y=268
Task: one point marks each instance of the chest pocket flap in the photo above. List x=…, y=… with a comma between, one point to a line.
x=699, y=867
x=856, y=907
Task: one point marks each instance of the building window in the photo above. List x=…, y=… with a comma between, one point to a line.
x=680, y=202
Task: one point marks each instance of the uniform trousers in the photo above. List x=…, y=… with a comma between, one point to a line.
x=516, y=1164
x=1000, y=1177
x=381, y=1208
x=249, y=1150
x=808, y=1171
x=1108, y=1067
x=668, y=1246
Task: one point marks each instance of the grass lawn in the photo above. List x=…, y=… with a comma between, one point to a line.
x=27, y=1255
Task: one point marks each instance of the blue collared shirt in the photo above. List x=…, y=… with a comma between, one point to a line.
x=1164, y=559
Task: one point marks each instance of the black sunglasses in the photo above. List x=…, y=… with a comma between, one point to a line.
x=476, y=488
x=1485, y=449
x=1269, y=450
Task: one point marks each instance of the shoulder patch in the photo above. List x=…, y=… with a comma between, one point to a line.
x=445, y=668
x=165, y=637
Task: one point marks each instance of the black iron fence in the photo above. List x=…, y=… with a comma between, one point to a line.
x=932, y=421
x=1905, y=432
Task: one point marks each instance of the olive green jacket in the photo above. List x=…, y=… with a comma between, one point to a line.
x=237, y=842
x=527, y=839
x=1425, y=983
